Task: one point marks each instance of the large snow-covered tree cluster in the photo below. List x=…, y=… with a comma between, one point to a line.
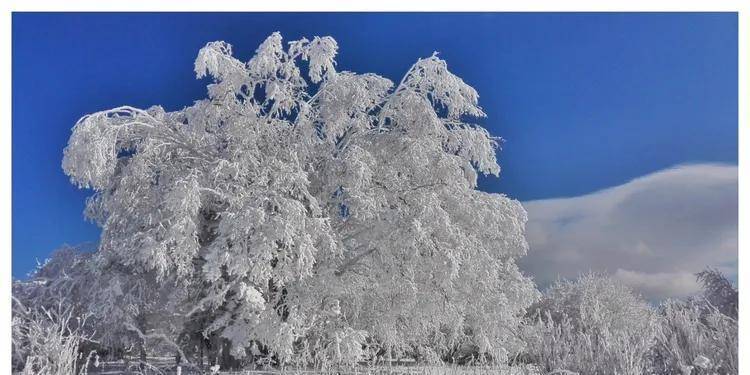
x=305, y=212
x=303, y=215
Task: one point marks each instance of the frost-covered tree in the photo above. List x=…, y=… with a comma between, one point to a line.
x=65, y=275
x=699, y=336
x=719, y=292
x=73, y=279
x=310, y=213
x=695, y=338
x=593, y=325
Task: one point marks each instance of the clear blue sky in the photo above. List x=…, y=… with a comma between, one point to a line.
x=584, y=101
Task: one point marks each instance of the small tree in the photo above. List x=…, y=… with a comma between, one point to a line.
x=308, y=210
x=719, y=292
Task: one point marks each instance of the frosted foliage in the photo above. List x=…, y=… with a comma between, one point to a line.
x=592, y=325
x=695, y=338
x=719, y=292
x=309, y=210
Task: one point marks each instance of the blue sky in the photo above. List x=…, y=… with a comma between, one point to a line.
x=584, y=101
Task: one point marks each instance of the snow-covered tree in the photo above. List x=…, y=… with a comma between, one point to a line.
x=117, y=302
x=695, y=338
x=65, y=275
x=699, y=335
x=304, y=210
x=719, y=292
x=593, y=325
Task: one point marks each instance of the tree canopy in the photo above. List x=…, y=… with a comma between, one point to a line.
x=306, y=212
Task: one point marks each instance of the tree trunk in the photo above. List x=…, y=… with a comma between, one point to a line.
x=213, y=350
x=227, y=361
x=142, y=351
x=202, y=345
x=141, y=323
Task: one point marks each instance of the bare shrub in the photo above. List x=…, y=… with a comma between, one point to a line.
x=47, y=341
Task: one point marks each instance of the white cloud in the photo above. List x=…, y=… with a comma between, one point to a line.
x=653, y=233
x=660, y=285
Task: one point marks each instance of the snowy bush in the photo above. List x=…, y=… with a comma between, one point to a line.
x=695, y=338
x=700, y=335
x=593, y=325
x=47, y=341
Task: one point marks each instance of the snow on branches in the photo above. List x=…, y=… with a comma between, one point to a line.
x=295, y=187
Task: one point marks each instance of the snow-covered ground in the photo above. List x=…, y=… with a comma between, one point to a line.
x=166, y=366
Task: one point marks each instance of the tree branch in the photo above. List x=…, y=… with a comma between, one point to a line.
x=160, y=336
x=353, y=261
